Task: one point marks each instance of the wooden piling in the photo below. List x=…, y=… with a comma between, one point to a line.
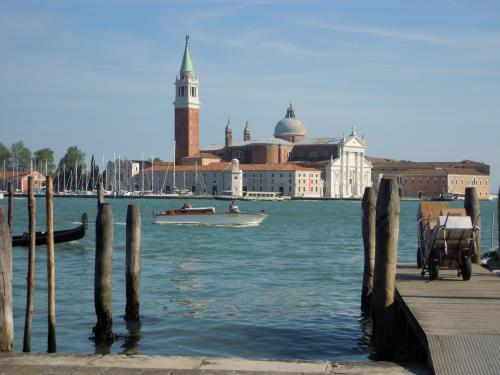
x=103, y=274
x=387, y=233
x=6, y=315
x=49, y=210
x=133, y=263
x=10, y=190
x=100, y=194
x=31, y=265
x=368, y=228
x=498, y=218
x=472, y=207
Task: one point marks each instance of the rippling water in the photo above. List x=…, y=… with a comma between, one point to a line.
x=289, y=288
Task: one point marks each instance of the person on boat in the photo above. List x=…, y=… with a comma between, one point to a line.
x=233, y=208
x=186, y=205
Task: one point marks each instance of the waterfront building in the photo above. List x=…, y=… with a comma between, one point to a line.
x=344, y=169
x=233, y=178
x=20, y=180
x=434, y=179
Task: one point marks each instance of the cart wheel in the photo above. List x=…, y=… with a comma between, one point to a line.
x=433, y=269
x=419, y=258
x=466, y=269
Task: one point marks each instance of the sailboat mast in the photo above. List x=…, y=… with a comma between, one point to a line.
x=174, y=166
x=76, y=175
x=152, y=174
x=119, y=173
x=142, y=172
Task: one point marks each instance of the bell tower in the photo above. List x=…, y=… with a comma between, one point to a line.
x=228, y=134
x=187, y=109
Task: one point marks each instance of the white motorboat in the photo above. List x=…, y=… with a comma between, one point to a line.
x=208, y=216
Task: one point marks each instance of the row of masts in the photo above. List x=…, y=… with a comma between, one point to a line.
x=77, y=179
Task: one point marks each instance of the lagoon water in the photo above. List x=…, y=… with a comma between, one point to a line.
x=289, y=288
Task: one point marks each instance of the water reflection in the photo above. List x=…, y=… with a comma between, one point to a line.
x=130, y=344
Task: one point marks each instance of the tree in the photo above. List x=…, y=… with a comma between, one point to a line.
x=20, y=155
x=4, y=156
x=45, y=157
x=73, y=157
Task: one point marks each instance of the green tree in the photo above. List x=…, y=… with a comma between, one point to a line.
x=45, y=156
x=20, y=155
x=73, y=156
x=4, y=156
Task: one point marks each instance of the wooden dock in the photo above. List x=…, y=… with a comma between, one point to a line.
x=457, y=322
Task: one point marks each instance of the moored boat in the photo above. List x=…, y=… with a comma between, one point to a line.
x=59, y=235
x=208, y=216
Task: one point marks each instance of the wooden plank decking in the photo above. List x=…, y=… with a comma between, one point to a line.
x=457, y=321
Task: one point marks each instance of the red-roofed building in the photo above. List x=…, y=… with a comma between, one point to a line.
x=224, y=178
x=434, y=179
x=20, y=180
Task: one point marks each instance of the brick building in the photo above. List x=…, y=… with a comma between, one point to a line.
x=434, y=179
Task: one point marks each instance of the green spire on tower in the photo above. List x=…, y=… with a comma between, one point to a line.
x=187, y=64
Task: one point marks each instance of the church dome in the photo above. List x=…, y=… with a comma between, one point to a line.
x=290, y=128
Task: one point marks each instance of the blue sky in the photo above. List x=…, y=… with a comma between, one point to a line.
x=420, y=79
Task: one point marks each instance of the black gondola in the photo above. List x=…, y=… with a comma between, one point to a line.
x=59, y=235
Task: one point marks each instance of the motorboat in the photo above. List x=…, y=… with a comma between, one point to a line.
x=208, y=216
x=59, y=235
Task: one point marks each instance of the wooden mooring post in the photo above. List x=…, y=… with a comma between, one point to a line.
x=31, y=265
x=10, y=190
x=133, y=263
x=103, y=274
x=472, y=208
x=51, y=286
x=6, y=314
x=100, y=194
x=368, y=228
x=387, y=233
x=498, y=217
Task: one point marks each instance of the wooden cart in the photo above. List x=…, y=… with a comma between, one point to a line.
x=446, y=239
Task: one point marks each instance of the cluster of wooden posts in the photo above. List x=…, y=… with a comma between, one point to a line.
x=380, y=228
x=102, y=276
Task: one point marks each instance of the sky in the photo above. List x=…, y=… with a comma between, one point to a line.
x=420, y=79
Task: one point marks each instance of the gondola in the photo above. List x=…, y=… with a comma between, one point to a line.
x=59, y=235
